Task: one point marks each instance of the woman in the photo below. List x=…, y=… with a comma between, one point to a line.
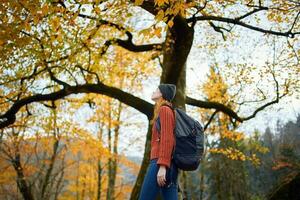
x=162, y=173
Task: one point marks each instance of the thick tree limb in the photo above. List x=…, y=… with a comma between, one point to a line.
x=141, y=105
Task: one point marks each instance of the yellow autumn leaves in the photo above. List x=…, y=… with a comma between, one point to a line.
x=234, y=144
x=236, y=154
x=233, y=135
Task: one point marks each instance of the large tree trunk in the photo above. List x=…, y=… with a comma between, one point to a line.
x=176, y=50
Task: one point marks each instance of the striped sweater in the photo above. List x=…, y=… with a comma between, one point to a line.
x=163, y=149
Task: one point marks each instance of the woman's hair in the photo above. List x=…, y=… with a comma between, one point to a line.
x=161, y=101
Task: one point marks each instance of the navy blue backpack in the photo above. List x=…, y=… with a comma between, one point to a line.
x=189, y=140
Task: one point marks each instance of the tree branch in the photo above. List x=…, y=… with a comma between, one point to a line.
x=127, y=44
x=228, y=111
x=210, y=120
x=237, y=21
x=143, y=106
x=213, y=105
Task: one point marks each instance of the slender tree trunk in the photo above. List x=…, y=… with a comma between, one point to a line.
x=22, y=184
x=112, y=178
x=113, y=163
x=99, y=179
x=77, y=178
x=99, y=172
x=49, y=171
x=115, y=148
x=109, y=188
x=83, y=188
x=202, y=174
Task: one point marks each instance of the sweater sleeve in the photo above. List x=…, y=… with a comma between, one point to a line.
x=166, y=136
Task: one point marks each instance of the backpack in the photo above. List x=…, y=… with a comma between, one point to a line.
x=189, y=140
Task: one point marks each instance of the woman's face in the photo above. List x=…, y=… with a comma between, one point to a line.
x=156, y=95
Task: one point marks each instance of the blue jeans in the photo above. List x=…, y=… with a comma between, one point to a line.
x=150, y=187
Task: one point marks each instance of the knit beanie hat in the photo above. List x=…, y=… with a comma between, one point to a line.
x=168, y=91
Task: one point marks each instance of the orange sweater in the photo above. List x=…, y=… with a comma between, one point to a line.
x=163, y=149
